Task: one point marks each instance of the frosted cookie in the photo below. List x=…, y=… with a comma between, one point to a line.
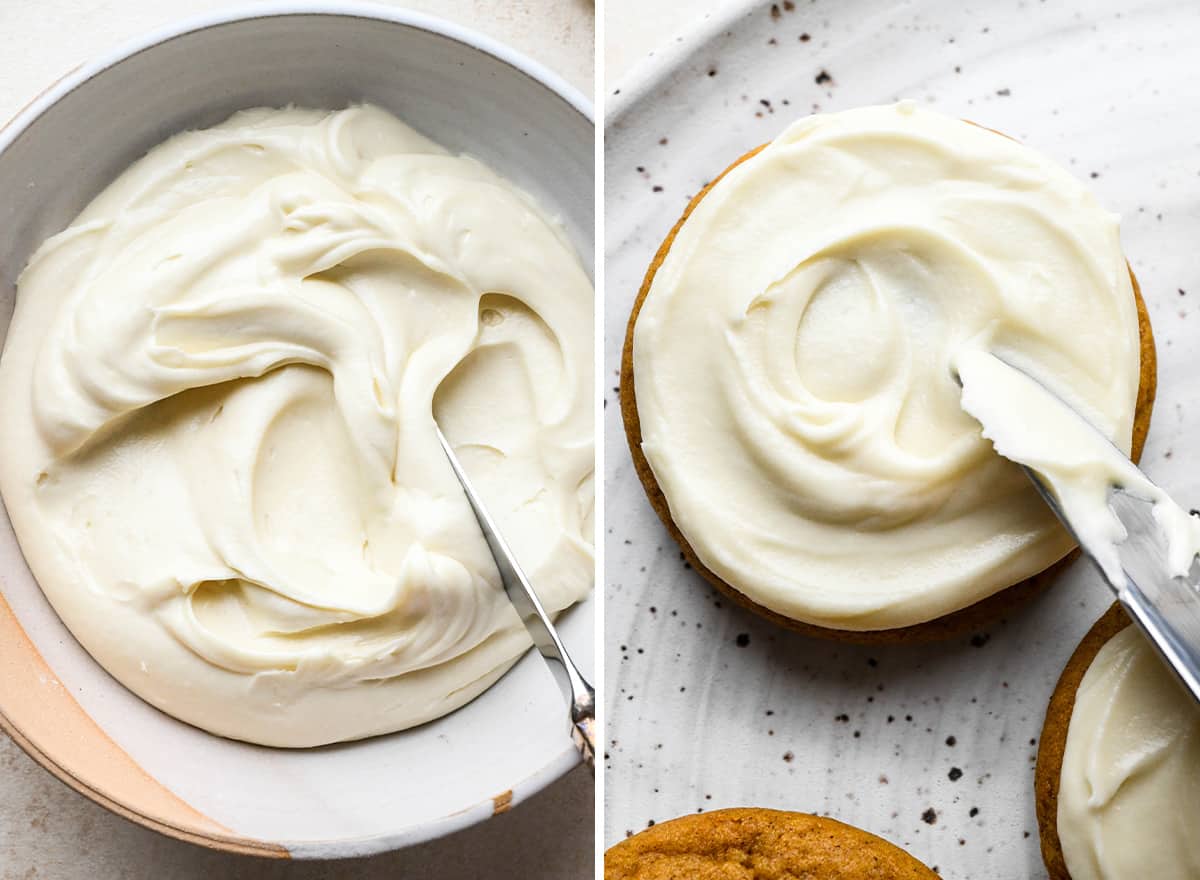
x=787, y=386
x=1118, y=763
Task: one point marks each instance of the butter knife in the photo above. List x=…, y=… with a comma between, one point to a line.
x=1121, y=524
x=1166, y=607
x=579, y=694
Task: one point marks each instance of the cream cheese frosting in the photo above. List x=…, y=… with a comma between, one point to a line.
x=1030, y=426
x=1127, y=795
x=793, y=362
x=220, y=388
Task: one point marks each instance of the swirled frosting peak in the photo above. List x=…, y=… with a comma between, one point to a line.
x=793, y=362
x=221, y=385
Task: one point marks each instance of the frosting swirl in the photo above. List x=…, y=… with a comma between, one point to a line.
x=220, y=459
x=793, y=362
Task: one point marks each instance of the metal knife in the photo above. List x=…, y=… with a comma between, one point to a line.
x=580, y=695
x=1165, y=606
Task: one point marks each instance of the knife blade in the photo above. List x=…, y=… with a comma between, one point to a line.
x=579, y=694
x=1167, y=607
x=1140, y=540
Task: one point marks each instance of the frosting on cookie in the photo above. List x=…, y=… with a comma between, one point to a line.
x=793, y=362
x=1078, y=466
x=1127, y=795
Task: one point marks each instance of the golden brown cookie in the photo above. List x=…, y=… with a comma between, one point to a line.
x=756, y=844
x=1054, y=736
x=983, y=612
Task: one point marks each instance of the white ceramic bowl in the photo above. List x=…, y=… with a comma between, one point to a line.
x=469, y=94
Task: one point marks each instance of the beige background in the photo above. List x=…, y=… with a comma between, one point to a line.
x=47, y=832
x=44, y=39
x=635, y=28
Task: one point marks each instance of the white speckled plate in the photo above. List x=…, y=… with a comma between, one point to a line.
x=930, y=746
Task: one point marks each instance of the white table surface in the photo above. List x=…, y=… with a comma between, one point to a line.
x=49, y=832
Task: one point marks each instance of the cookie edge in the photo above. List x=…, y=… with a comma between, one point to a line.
x=621, y=859
x=1053, y=742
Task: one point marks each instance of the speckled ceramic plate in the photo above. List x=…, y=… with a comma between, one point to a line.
x=471, y=95
x=932, y=747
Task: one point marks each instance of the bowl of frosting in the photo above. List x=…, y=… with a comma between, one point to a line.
x=251, y=262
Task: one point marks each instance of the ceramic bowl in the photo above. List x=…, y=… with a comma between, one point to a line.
x=471, y=95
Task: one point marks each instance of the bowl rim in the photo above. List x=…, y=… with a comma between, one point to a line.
x=558, y=765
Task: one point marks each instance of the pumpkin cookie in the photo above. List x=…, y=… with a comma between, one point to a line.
x=1118, y=763
x=974, y=614
x=1054, y=735
x=759, y=844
